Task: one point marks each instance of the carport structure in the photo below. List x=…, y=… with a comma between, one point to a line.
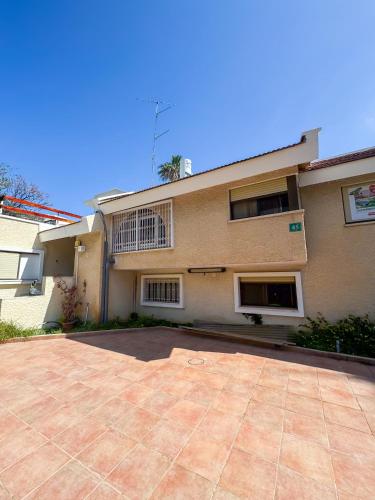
x=156, y=413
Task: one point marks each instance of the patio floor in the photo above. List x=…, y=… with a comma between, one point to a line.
x=157, y=413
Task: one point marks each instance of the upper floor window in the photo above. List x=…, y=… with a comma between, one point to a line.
x=264, y=198
x=143, y=228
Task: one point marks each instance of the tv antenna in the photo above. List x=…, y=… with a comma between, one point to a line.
x=159, y=109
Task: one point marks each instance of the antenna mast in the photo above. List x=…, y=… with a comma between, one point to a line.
x=158, y=103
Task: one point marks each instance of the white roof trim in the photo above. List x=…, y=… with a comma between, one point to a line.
x=87, y=224
x=337, y=172
x=304, y=152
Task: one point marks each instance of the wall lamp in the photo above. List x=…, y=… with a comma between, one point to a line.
x=206, y=270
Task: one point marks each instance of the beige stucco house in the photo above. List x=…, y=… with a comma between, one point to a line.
x=282, y=234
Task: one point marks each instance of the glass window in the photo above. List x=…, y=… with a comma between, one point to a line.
x=268, y=294
x=162, y=291
x=264, y=205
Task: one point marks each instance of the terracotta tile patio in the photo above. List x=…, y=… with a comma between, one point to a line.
x=156, y=413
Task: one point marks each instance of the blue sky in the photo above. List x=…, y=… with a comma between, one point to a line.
x=245, y=77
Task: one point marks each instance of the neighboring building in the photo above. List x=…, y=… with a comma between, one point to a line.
x=282, y=234
x=25, y=260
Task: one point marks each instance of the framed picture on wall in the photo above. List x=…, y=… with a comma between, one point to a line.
x=359, y=202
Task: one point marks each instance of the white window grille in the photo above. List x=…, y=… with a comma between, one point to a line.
x=162, y=290
x=144, y=228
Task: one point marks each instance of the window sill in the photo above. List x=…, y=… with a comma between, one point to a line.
x=162, y=304
x=359, y=223
x=145, y=250
x=19, y=282
x=279, y=214
x=270, y=311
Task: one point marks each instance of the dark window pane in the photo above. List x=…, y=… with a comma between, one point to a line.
x=273, y=204
x=244, y=208
x=282, y=295
x=265, y=205
x=268, y=294
x=253, y=294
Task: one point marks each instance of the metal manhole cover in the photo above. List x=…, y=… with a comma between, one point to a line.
x=196, y=361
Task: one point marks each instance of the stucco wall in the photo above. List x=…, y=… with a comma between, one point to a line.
x=121, y=294
x=339, y=277
x=30, y=311
x=18, y=233
x=59, y=257
x=204, y=236
x=206, y=297
x=89, y=268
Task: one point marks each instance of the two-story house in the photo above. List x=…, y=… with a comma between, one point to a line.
x=281, y=234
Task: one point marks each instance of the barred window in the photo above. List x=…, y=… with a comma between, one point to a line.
x=143, y=228
x=161, y=290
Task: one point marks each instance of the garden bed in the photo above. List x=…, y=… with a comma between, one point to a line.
x=10, y=330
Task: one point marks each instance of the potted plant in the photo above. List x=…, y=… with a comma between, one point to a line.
x=70, y=304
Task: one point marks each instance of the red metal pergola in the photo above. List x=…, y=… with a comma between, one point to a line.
x=18, y=210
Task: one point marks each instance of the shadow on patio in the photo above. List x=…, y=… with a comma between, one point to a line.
x=150, y=344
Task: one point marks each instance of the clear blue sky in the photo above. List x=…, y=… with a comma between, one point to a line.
x=245, y=76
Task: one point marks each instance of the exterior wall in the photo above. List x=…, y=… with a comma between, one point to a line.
x=19, y=233
x=88, y=268
x=204, y=236
x=59, y=257
x=30, y=311
x=206, y=297
x=339, y=277
x=121, y=294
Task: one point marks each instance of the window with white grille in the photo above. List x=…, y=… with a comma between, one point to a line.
x=162, y=290
x=144, y=228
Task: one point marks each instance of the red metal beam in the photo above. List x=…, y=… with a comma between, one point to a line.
x=30, y=212
x=37, y=205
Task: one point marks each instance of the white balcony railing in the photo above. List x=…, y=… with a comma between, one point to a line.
x=144, y=228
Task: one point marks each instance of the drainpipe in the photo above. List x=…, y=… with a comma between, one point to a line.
x=105, y=273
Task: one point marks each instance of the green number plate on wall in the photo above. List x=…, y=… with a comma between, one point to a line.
x=295, y=226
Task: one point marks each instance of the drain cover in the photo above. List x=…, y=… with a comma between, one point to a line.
x=196, y=361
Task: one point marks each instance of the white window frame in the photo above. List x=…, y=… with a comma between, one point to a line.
x=24, y=251
x=269, y=311
x=174, y=305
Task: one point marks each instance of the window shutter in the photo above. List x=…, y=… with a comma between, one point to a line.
x=259, y=189
x=269, y=279
x=9, y=265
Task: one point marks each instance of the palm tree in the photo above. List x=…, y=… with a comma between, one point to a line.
x=170, y=170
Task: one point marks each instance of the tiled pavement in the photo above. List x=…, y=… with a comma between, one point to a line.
x=136, y=415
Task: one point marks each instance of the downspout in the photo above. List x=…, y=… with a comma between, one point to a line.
x=105, y=273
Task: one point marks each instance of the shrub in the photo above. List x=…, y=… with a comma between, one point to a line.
x=356, y=335
x=10, y=330
x=71, y=300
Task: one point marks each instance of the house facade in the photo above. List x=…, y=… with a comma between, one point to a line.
x=283, y=234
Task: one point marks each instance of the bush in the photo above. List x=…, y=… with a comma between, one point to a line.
x=10, y=330
x=134, y=321
x=356, y=335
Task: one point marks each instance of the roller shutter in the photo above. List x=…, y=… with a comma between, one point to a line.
x=259, y=189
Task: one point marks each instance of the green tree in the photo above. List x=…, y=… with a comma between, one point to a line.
x=170, y=171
